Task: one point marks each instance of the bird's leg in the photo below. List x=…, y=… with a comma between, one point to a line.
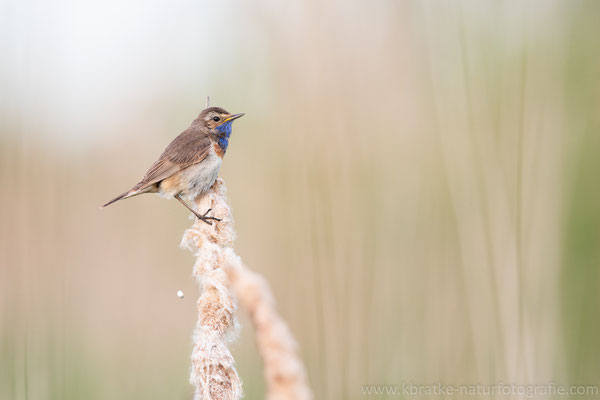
x=204, y=217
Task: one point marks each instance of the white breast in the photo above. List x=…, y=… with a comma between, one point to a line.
x=198, y=178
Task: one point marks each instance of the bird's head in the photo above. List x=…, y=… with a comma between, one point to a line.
x=217, y=120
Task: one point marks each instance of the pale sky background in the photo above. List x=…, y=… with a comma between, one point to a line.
x=91, y=66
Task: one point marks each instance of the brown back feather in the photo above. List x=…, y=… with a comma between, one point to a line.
x=189, y=148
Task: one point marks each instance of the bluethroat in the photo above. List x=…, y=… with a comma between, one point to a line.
x=190, y=164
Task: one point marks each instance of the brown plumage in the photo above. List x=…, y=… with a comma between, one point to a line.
x=190, y=163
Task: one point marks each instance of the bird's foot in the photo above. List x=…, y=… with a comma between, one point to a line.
x=205, y=218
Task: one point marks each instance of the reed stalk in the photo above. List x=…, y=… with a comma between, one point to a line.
x=283, y=369
x=213, y=373
x=218, y=271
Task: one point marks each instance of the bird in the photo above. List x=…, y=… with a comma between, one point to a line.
x=189, y=165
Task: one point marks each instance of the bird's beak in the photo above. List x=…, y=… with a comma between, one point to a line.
x=234, y=116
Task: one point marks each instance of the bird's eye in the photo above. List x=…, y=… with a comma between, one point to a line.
x=216, y=119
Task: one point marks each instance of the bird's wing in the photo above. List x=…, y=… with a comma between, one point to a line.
x=185, y=150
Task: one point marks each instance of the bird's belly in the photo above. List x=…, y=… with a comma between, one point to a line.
x=194, y=180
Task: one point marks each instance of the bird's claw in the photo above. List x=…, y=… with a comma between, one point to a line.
x=205, y=218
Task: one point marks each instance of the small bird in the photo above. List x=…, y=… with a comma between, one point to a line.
x=190, y=164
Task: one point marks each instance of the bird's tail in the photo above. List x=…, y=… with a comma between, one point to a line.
x=134, y=191
x=119, y=197
x=126, y=195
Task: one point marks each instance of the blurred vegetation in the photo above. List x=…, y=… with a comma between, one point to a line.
x=581, y=234
x=415, y=179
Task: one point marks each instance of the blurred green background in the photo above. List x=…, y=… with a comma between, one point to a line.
x=418, y=181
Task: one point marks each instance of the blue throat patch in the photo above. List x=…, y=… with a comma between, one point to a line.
x=224, y=131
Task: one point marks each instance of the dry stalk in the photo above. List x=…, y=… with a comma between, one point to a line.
x=213, y=374
x=284, y=371
x=217, y=267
